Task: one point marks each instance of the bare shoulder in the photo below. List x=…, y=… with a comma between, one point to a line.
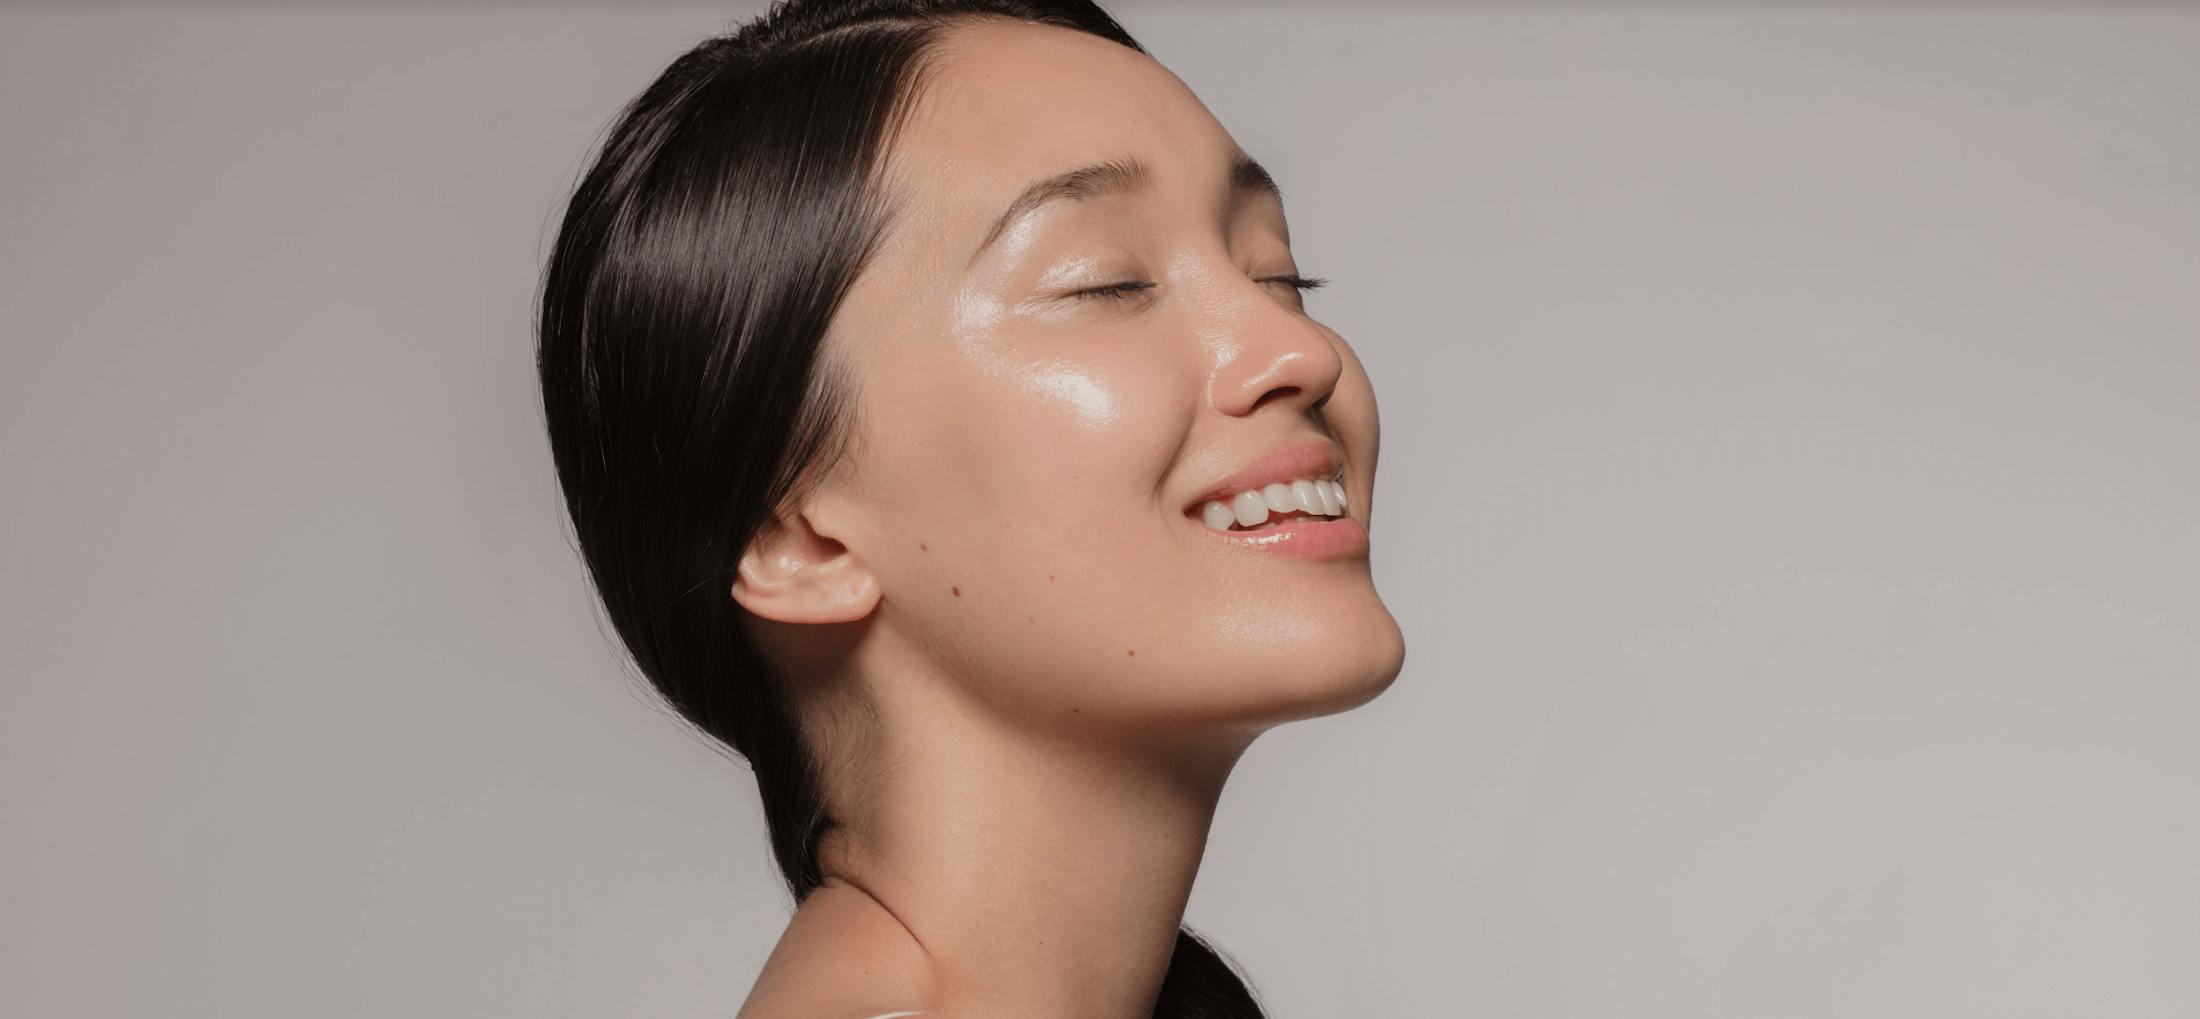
x=843, y=956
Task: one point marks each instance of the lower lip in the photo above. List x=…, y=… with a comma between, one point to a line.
x=1308, y=537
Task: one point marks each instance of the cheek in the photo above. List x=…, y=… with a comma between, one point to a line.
x=1004, y=498
x=1015, y=519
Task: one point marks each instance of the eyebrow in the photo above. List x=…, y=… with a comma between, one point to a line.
x=1114, y=176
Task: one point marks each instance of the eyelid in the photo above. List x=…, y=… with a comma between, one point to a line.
x=1118, y=290
x=1123, y=289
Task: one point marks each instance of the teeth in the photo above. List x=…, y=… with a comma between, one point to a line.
x=1309, y=497
x=1218, y=516
x=1252, y=508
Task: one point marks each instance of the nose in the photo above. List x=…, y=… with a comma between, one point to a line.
x=1273, y=354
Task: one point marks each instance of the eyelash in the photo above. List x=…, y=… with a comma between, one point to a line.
x=1120, y=291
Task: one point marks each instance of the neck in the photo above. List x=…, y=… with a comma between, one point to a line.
x=1040, y=874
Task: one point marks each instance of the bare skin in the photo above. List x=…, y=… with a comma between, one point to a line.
x=1026, y=663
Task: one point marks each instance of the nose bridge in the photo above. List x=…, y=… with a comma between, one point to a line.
x=1264, y=351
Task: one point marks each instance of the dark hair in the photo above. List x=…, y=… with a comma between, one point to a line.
x=683, y=310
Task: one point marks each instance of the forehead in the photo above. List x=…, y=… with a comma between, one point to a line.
x=1003, y=103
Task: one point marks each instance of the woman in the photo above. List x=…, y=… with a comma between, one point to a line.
x=942, y=424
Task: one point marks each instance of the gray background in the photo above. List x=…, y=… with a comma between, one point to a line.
x=1789, y=495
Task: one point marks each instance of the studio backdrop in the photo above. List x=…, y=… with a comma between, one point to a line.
x=1790, y=493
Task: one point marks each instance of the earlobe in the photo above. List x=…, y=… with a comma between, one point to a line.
x=792, y=574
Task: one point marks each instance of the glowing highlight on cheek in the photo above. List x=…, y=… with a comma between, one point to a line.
x=979, y=316
x=975, y=313
x=1094, y=404
x=980, y=331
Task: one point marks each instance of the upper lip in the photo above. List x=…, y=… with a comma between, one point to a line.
x=1289, y=462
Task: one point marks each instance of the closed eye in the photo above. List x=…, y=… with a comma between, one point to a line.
x=1113, y=291
x=1299, y=283
x=1126, y=288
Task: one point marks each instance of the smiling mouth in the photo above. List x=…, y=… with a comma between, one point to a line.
x=1270, y=505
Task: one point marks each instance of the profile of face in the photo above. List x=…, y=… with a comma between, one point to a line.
x=1045, y=414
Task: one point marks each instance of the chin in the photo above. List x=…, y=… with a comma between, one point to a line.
x=1353, y=660
x=1364, y=669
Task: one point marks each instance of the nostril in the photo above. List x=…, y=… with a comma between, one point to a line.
x=1284, y=392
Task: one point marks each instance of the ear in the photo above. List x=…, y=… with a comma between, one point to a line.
x=793, y=574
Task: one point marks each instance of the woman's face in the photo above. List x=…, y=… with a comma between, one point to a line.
x=1030, y=478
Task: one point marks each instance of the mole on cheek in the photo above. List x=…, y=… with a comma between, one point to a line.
x=1131, y=654
x=922, y=547
x=957, y=591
